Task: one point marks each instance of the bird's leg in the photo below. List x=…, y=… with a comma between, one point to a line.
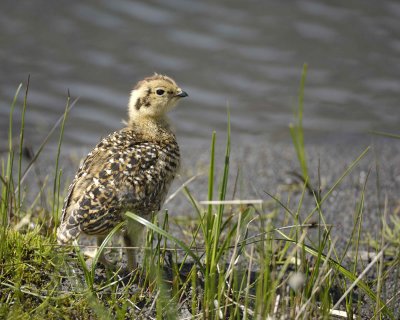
x=108, y=264
x=131, y=255
x=133, y=237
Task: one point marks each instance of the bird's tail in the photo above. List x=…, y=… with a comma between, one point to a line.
x=67, y=233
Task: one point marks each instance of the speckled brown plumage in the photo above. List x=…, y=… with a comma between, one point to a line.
x=129, y=170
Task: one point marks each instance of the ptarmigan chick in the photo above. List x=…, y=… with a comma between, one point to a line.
x=130, y=170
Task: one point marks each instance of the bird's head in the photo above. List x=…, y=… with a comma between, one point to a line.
x=153, y=97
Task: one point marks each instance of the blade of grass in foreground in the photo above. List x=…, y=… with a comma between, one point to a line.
x=210, y=186
x=56, y=173
x=209, y=278
x=100, y=250
x=7, y=192
x=214, y=279
x=217, y=225
x=338, y=181
x=386, y=134
x=21, y=142
x=170, y=237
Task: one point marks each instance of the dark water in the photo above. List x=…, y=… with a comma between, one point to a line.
x=245, y=54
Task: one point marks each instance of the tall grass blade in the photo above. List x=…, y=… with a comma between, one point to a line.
x=339, y=180
x=296, y=130
x=7, y=189
x=210, y=183
x=217, y=225
x=386, y=134
x=170, y=237
x=56, y=175
x=21, y=142
x=100, y=250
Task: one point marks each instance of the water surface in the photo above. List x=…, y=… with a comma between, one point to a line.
x=245, y=55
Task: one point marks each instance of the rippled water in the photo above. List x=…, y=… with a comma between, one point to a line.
x=247, y=55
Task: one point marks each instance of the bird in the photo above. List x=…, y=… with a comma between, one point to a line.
x=129, y=170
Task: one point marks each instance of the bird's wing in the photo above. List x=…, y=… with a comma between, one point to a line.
x=84, y=175
x=123, y=171
x=145, y=172
x=78, y=203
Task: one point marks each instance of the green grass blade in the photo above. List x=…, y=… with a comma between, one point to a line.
x=338, y=181
x=170, y=237
x=86, y=272
x=46, y=139
x=386, y=134
x=21, y=142
x=56, y=174
x=100, y=250
x=7, y=189
x=217, y=226
x=210, y=183
x=296, y=130
x=348, y=170
x=10, y=124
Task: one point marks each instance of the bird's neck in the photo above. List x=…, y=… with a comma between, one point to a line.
x=154, y=128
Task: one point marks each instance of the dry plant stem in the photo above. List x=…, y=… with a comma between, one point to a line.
x=380, y=267
x=369, y=266
x=315, y=290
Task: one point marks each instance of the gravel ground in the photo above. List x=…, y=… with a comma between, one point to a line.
x=267, y=167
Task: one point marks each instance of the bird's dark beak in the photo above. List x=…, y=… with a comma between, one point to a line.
x=182, y=94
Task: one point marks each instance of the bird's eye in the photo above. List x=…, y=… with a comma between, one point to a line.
x=160, y=92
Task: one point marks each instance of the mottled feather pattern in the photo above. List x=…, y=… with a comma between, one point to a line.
x=123, y=172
